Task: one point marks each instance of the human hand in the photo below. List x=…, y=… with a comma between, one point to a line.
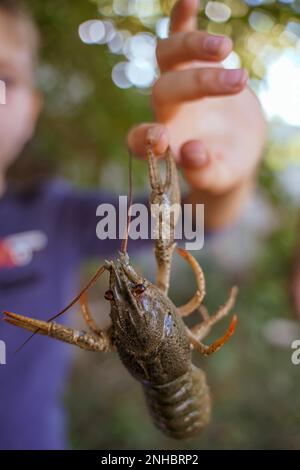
x=210, y=118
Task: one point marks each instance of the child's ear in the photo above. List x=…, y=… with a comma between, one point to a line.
x=35, y=111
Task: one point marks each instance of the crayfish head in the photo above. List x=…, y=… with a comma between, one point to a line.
x=146, y=329
x=137, y=306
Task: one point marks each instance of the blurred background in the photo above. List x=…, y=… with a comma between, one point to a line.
x=97, y=65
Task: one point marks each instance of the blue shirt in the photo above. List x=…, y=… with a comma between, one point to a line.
x=44, y=238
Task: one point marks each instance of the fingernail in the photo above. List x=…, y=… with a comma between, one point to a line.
x=232, y=77
x=212, y=44
x=154, y=134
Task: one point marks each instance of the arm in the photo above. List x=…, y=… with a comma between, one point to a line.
x=211, y=119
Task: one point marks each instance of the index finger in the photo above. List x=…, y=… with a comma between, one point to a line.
x=184, y=16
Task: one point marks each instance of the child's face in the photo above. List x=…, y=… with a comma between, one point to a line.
x=19, y=115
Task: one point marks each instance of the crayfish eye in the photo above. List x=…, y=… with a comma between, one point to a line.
x=109, y=295
x=138, y=289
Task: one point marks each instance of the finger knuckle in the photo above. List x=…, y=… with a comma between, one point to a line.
x=160, y=50
x=156, y=90
x=188, y=41
x=199, y=78
x=206, y=79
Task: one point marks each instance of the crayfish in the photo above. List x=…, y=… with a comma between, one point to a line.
x=147, y=329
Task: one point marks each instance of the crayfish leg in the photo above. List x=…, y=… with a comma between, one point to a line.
x=216, y=345
x=68, y=335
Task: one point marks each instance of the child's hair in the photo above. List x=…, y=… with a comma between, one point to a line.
x=17, y=10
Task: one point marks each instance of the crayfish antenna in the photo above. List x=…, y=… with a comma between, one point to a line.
x=126, y=236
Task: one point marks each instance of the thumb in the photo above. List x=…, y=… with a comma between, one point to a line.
x=140, y=137
x=196, y=164
x=204, y=170
x=194, y=155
